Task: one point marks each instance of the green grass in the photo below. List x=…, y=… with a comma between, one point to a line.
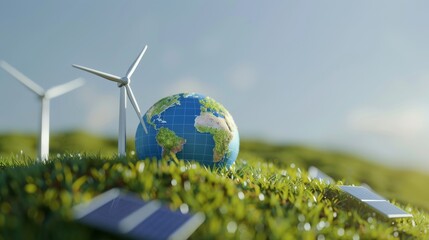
x=266, y=194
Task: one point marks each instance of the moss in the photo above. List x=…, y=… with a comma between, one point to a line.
x=169, y=141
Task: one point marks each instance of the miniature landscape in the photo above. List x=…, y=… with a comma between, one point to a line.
x=344, y=76
x=267, y=193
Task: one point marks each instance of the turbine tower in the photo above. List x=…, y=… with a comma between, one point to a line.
x=125, y=90
x=45, y=97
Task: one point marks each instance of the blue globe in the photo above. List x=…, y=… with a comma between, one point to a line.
x=191, y=127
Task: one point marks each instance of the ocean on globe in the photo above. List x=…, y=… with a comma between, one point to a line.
x=191, y=126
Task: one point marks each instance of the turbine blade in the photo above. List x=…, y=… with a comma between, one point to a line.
x=22, y=78
x=101, y=74
x=64, y=88
x=136, y=106
x=135, y=63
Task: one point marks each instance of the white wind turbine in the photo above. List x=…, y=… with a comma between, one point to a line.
x=45, y=97
x=125, y=89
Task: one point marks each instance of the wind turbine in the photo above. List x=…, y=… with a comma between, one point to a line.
x=125, y=90
x=45, y=97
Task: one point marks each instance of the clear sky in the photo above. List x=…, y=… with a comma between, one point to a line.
x=349, y=75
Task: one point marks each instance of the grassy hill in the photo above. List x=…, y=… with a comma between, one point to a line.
x=267, y=194
x=406, y=186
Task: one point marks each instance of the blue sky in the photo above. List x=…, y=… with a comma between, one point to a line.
x=349, y=75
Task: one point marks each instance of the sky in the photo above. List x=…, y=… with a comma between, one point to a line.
x=345, y=75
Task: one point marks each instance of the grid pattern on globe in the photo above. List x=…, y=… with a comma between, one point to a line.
x=180, y=119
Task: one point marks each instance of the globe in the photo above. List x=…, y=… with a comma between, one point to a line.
x=191, y=127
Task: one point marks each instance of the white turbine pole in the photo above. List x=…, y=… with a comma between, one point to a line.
x=45, y=97
x=50, y=94
x=43, y=152
x=122, y=131
x=125, y=90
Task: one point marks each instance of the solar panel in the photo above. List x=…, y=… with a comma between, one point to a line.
x=128, y=215
x=375, y=202
x=316, y=173
x=362, y=193
x=388, y=209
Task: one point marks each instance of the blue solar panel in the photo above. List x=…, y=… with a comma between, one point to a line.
x=126, y=214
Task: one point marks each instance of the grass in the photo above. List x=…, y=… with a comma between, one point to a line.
x=266, y=194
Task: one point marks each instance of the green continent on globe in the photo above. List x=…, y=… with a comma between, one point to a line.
x=169, y=141
x=208, y=104
x=218, y=127
x=161, y=106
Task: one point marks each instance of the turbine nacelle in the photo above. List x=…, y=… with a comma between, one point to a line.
x=125, y=81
